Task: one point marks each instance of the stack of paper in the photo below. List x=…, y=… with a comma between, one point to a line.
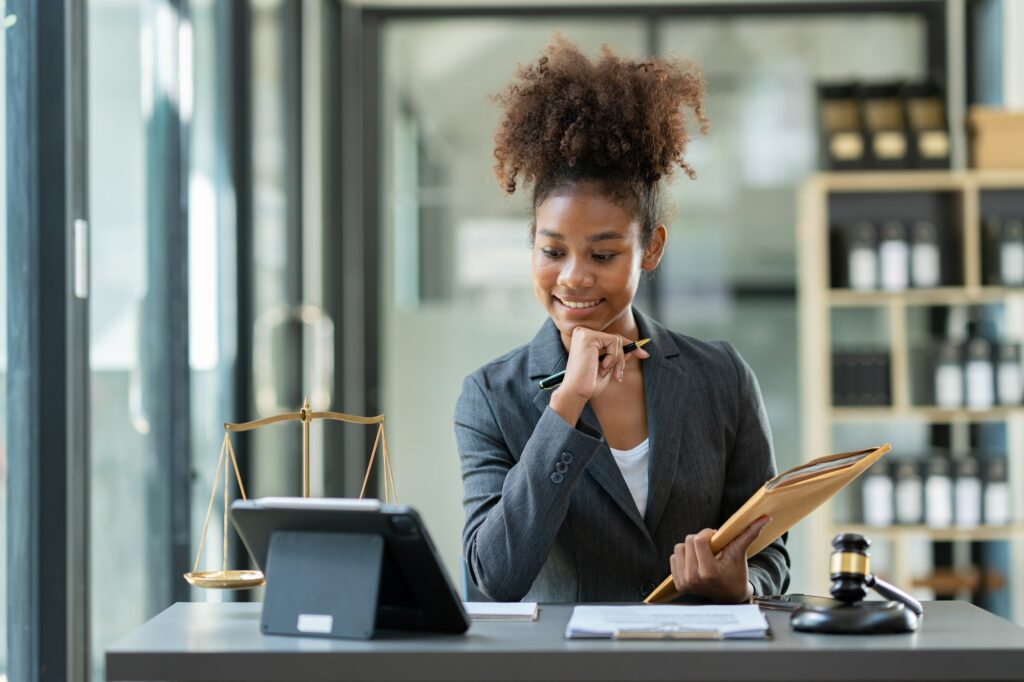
x=742, y=621
x=487, y=610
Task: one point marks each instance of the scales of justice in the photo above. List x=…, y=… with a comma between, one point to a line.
x=241, y=579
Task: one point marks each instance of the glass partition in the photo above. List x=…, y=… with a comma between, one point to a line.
x=279, y=381
x=735, y=224
x=456, y=294
x=212, y=277
x=456, y=285
x=119, y=422
x=730, y=266
x=124, y=518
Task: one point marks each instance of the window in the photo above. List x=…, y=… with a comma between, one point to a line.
x=3, y=350
x=120, y=421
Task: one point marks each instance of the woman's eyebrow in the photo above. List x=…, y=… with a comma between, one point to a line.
x=606, y=235
x=603, y=236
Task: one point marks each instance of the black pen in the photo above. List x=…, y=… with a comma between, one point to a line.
x=547, y=383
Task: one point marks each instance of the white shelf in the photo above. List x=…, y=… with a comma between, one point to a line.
x=935, y=415
x=900, y=533
x=942, y=296
x=919, y=180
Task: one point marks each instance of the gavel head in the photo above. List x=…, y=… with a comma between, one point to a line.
x=849, y=568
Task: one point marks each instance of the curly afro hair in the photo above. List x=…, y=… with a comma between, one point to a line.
x=613, y=121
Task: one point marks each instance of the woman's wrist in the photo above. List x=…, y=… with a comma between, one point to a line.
x=568, y=406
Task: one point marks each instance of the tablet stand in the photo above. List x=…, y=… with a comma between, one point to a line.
x=322, y=584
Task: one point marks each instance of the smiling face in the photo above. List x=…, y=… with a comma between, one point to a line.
x=587, y=259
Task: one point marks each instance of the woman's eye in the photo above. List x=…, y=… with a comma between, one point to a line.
x=603, y=257
x=550, y=253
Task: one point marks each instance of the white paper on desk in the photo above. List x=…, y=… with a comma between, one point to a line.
x=493, y=610
x=740, y=621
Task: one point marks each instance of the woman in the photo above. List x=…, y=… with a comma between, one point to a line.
x=597, y=490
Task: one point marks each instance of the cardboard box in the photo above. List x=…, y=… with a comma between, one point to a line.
x=997, y=137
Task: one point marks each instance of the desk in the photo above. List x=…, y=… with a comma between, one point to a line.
x=213, y=642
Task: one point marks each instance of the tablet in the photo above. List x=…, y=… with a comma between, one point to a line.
x=415, y=592
x=792, y=602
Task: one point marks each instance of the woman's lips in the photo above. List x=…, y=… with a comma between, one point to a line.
x=580, y=307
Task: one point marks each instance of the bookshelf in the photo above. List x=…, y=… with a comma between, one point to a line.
x=958, y=198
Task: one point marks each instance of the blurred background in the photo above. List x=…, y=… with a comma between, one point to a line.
x=275, y=199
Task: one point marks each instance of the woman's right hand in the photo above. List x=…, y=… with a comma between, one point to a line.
x=586, y=377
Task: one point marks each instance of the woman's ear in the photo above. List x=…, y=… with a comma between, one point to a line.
x=655, y=248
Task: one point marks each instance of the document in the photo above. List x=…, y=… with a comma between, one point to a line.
x=509, y=611
x=787, y=498
x=740, y=621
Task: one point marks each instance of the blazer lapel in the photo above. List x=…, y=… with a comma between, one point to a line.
x=666, y=387
x=547, y=356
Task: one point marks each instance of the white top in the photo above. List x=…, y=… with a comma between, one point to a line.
x=633, y=465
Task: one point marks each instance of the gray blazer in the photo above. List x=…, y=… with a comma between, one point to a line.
x=549, y=517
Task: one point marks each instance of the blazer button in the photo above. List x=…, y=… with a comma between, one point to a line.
x=557, y=477
x=562, y=467
x=567, y=457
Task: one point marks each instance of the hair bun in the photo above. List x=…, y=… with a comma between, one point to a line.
x=609, y=118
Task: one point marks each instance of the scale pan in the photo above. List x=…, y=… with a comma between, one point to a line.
x=226, y=580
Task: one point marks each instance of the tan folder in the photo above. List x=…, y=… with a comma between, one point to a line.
x=787, y=498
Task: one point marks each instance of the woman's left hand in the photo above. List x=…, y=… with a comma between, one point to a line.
x=722, y=578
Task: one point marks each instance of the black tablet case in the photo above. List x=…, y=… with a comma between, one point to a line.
x=308, y=597
x=414, y=591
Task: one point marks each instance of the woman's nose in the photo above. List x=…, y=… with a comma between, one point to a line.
x=575, y=275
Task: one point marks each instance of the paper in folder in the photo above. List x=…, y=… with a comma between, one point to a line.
x=671, y=621
x=786, y=498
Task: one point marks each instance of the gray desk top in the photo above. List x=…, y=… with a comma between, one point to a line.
x=210, y=642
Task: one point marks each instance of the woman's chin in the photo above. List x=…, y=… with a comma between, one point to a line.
x=566, y=326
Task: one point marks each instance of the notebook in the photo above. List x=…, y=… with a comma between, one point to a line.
x=786, y=498
x=509, y=611
x=739, y=621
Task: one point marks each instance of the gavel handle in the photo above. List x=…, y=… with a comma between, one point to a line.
x=890, y=591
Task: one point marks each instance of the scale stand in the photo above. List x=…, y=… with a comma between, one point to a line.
x=224, y=579
x=242, y=579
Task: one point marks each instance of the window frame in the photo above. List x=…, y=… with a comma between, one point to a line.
x=42, y=353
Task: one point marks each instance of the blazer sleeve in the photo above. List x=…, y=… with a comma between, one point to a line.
x=752, y=462
x=514, y=506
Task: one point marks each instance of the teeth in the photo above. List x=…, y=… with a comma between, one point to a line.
x=580, y=304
